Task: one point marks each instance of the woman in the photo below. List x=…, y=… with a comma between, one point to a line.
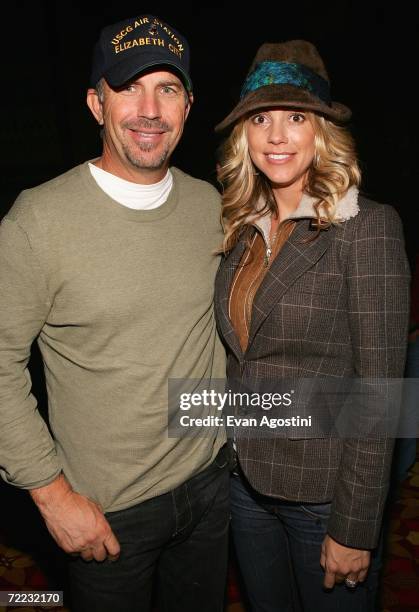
x=314, y=283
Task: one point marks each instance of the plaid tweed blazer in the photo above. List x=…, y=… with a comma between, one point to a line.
x=337, y=306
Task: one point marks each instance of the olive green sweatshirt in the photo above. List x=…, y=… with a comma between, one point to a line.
x=120, y=300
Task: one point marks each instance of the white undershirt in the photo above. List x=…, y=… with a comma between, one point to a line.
x=133, y=195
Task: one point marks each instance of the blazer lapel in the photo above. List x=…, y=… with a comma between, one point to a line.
x=295, y=257
x=223, y=282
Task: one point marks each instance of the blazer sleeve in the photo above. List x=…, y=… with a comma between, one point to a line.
x=27, y=451
x=378, y=279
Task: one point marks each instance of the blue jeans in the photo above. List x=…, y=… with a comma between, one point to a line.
x=278, y=545
x=180, y=537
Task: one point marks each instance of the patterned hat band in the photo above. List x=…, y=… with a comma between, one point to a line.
x=284, y=73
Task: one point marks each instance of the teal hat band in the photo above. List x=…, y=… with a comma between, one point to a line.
x=284, y=73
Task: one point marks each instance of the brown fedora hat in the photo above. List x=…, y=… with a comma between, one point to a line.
x=290, y=74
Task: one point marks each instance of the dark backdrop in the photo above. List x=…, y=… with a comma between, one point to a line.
x=369, y=51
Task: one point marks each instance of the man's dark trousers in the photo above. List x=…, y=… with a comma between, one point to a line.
x=180, y=537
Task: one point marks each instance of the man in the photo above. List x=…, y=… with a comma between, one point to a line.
x=110, y=267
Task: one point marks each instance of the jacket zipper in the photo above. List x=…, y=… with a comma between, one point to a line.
x=268, y=254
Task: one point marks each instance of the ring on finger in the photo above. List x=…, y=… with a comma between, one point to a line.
x=351, y=583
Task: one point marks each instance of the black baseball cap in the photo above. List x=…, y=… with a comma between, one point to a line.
x=129, y=47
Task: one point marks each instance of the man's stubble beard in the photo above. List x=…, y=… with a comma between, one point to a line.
x=146, y=161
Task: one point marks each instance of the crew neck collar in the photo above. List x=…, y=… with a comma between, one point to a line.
x=130, y=185
x=112, y=205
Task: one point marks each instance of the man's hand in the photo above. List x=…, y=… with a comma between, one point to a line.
x=340, y=562
x=76, y=523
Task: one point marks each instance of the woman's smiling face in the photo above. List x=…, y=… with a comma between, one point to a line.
x=281, y=145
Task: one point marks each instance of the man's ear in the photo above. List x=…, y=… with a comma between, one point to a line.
x=190, y=102
x=95, y=105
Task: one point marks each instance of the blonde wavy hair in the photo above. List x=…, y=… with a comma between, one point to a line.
x=334, y=169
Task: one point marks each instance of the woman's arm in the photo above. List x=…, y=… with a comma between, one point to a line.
x=378, y=287
x=378, y=280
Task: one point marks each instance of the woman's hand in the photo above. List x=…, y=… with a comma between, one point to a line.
x=342, y=562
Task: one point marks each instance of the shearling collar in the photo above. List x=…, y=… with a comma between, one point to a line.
x=346, y=208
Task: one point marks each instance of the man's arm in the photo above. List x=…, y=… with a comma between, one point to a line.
x=27, y=451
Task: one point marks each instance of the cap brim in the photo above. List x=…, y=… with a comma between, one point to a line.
x=287, y=96
x=121, y=73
